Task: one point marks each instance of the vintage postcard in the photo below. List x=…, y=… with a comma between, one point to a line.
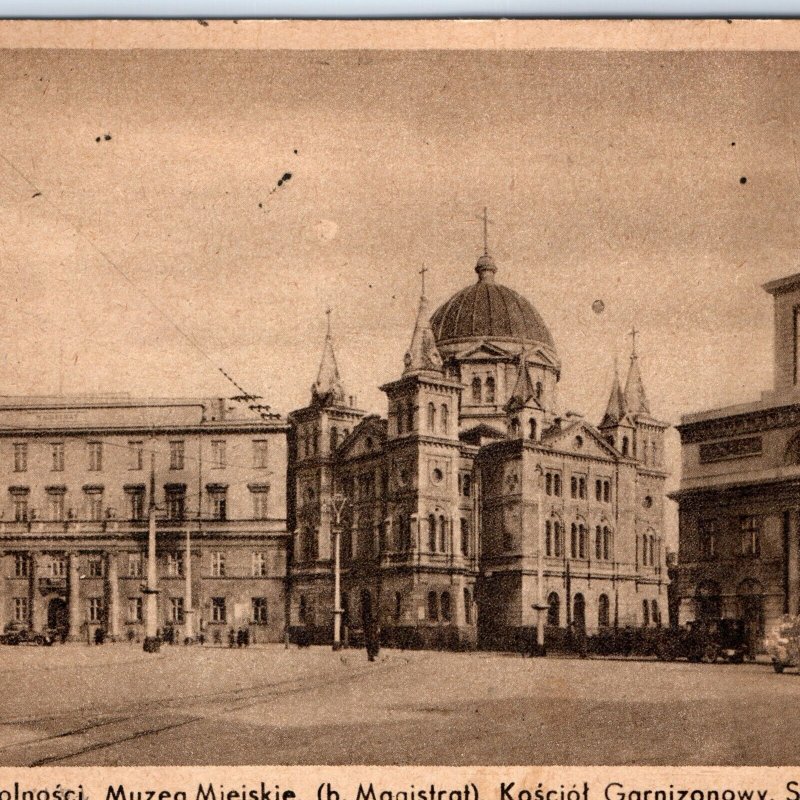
x=399, y=394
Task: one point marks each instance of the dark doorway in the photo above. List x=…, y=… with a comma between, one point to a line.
x=579, y=611
x=366, y=608
x=58, y=617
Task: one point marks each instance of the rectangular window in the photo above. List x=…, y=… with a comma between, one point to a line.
x=218, y=460
x=708, y=538
x=21, y=457
x=751, y=536
x=175, y=564
x=22, y=565
x=96, y=567
x=95, y=609
x=21, y=509
x=57, y=456
x=260, y=506
x=598, y=490
x=135, y=565
x=55, y=503
x=219, y=505
x=176, y=609
x=259, y=612
x=606, y=491
x=57, y=567
x=218, y=610
x=135, y=609
x=176, y=454
x=582, y=488
x=176, y=505
x=218, y=565
x=22, y=610
x=95, y=450
x=260, y=454
x=136, y=505
x=94, y=502
x=136, y=454
x=260, y=565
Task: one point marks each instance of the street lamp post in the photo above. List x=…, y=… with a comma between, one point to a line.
x=151, y=640
x=337, y=504
x=539, y=606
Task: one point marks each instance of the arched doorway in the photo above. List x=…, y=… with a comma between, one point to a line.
x=58, y=617
x=750, y=597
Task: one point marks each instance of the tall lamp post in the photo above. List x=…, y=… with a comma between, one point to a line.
x=337, y=504
x=151, y=641
x=539, y=606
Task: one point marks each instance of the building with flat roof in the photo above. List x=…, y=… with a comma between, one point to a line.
x=74, y=501
x=739, y=496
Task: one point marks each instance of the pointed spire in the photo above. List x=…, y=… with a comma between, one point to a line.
x=616, y=409
x=524, y=390
x=422, y=354
x=635, y=397
x=328, y=386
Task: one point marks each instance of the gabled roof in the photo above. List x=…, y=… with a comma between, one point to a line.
x=524, y=392
x=593, y=441
x=373, y=427
x=479, y=432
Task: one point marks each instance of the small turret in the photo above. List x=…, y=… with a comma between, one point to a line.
x=423, y=355
x=524, y=408
x=328, y=388
x=617, y=426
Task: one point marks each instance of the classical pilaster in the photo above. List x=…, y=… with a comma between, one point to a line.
x=74, y=598
x=112, y=592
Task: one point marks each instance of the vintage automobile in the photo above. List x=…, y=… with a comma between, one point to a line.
x=16, y=634
x=783, y=644
x=706, y=641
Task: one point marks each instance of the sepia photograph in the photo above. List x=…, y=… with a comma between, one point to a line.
x=379, y=403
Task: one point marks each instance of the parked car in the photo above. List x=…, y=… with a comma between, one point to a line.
x=706, y=641
x=783, y=644
x=16, y=634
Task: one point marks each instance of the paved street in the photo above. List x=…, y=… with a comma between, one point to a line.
x=116, y=705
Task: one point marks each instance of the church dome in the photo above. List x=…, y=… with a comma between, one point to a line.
x=488, y=310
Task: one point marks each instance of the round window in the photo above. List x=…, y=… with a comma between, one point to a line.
x=648, y=502
x=578, y=442
x=437, y=476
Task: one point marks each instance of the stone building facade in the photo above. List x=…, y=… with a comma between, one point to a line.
x=74, y=503
x=739, y=496
x=476, y=499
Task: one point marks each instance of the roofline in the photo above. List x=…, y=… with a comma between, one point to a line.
x=781, y=285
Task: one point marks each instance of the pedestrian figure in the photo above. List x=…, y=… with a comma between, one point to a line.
x=372, y=639
x=231, y=638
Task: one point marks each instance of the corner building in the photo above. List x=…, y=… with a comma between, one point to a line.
x=76, y=474
x=476, y=500
x=739, y=509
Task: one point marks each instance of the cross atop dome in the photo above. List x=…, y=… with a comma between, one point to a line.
x=486, y=267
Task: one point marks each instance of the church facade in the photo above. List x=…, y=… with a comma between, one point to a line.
x=475, y=504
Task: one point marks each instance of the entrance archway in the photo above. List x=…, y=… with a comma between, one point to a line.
x=58, y=617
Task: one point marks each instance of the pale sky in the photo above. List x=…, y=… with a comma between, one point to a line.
x=607, y=176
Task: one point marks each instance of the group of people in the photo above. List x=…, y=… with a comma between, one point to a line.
x=240, y=638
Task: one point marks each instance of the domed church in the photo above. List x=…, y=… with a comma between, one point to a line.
x=476, y=513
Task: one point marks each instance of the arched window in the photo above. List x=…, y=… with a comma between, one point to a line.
x=431, y=533
x=557, y=485
x=553, y=610
x=431, y=417
x=445, y=606
x=606, y=543
x=603, y=615
x=515, y=427
x=573, y=487
x=625, y=445
x=558, y=539
x=398, y=606
x=410, y=417
x=655, y=613
x=645, y=614
x=477, y=393
x=444, y=419
x=644, y=551
x=464, y=536
x=532, y=429
x=467, y=607
x=334, y=439
x=598, y=543
x=582, y=548
x=442, y=535
x=467, y=485
x=579, y=611
x=538, y=390
x=433, y=606
x=490, y=389
x=548, y=484
x=399, y=412
x=573, y=541
x=303, y=610
x=548, y=538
